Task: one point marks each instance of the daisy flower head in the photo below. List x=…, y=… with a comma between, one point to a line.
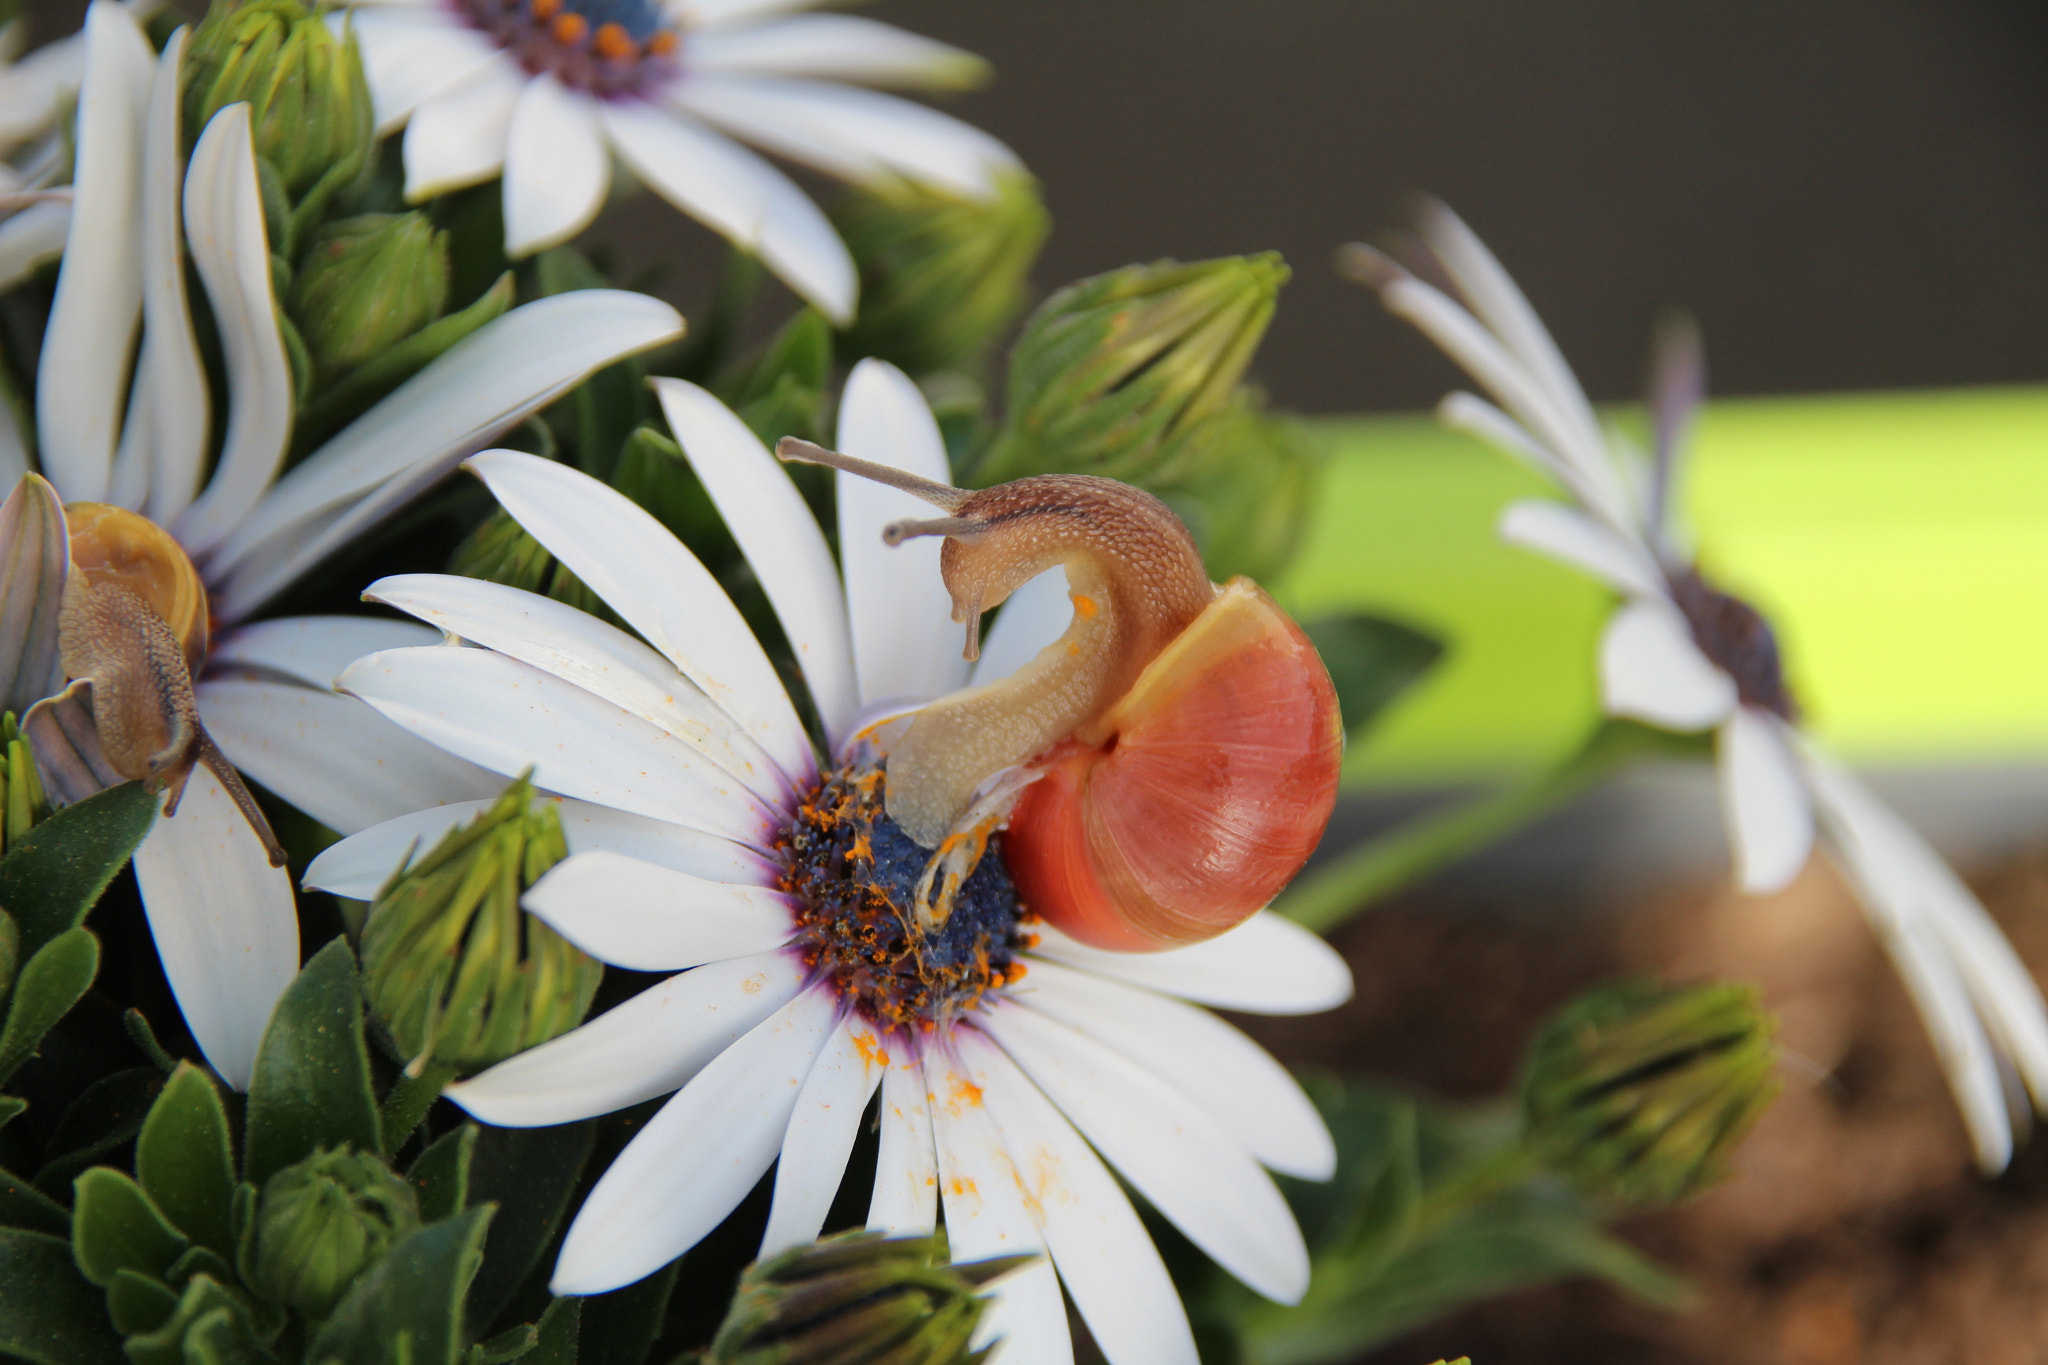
x=546, y=92
x=1682, y=654
x=707, y=837
x=160, y=549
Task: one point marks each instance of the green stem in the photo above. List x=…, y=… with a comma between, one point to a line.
x=409, y=1101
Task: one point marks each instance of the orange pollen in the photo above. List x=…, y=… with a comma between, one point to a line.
x=661, y=44
x=1084, y=606
x=569, y=29
x=615, y=44
x=544, y=10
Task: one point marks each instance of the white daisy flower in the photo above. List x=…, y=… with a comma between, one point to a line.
x=706, y=838
x=222, y=914
x=1681, y=654
x=546, y=91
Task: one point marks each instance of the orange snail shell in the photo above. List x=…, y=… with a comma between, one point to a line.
x=1217, y=776
x=111, y=545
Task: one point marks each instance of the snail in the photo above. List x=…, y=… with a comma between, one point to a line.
x=133, y=623
x=1181, y=741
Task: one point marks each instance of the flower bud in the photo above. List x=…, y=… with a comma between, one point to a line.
x=22, y=801
x=500, y=550
x=1244, y=486
x=456, y=974
x=323, y=1222
x=1637, y=1094
x=1112, y=373
x=940, y=276
x=367, y=283
x=309, y=104
x=857, y=1297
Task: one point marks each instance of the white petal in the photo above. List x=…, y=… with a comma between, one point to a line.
x=779, y=537
x=658, y=587
x=841, y=47
x=1567, y=534
x=709, y=13
x=697, y=1158
x=1102, y=1252
x=411, y=55
x=654, y=919
x=224, y=921
x=309, y=649
x=81, y=375
x=906, y=1198
x=508, y=717
x=646, y=1046
x=360, y=864
x=458, y=137
x=556, y=167
x=34, y=88
x=1763, y=802
x=331, y=756
x=1473, y=415
x=224, y=227
x=1171, y=1152
x=1267, y=965
x=1234, y=1080
x=1652, y=670
x=905, y=646
x=827, y=1118
x=1032, y=618
x=483, y=384
x=30, y=238
x=856, y=134
x=594, y=655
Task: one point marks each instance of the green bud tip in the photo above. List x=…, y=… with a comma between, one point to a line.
x=456, y=974
x=366, y=284
x=309, y=104
x=323, y=1222
x=22, y=801
x=1244, y=483
x=1638, y=1094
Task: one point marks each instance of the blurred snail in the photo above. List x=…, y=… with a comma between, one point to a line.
x=133, y=623
x=1183, y=739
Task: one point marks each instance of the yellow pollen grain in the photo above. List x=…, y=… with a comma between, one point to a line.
x=1084, y=606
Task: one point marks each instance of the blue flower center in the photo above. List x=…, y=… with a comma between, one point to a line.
x=608, y=48
x=1736, y=637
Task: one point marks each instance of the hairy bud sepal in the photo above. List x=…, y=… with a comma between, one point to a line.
x=367, y=283
x=324, y=1221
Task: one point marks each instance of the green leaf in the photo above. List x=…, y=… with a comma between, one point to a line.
x=1372, y=661
x=106, y=1117
x=10, y=952
x=530, y=1174
x=312, y=1080
x=50, y=1315
x=50, y=879
x=115, y=1226
x=185, y=1161
x=211, y=1324
x=49, y=986
x=510, y=1345
x=11, y=1107
x=608, y=405
x=619, y=1328
x=411, y=1301
x=22, y=1205
x=138, y=1303
x=222, y=1337
x=441, y=1174
x=558, y=1332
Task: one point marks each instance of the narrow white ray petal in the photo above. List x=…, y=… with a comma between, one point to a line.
x=458, y=137
x=1234, y=1080
x=1180, y=1159
x=698, y=1157
x=1102, y=1252
x=331, y=756
x=30, y=238
x=799, y=243
x=779, y=537
x=905, y=646
x=360, y=864
x=596, y=656
x=906, y=1197
x=224, y=921
x=224, y=227
x=174, y=386
x=129, y=485
x=711, y=13
x=658, y=587
x=842, y=47
x=1267, y=965
x=508, y=717
x=820, y=1137
x=1473, y=415
x=309, y=649
x=1763, y=801
x=98, y=304
x=1652, y=670
x=1032, y=618
x=36, y=85
x=646, y=1046
x=844, y=131
x=411, y=54
x=986, y=1216
x=654, y=919
x=483, y=384
x=1567, y=534
x=556, y=167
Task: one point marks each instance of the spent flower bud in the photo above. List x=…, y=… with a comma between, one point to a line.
x=366, y=284
x=22, y=801
x=1637, y=1094
x=1111, y=374
x=309, y=105
x=457, y=975
x=323, y=1222
x=858, y=1298
x=941, y=276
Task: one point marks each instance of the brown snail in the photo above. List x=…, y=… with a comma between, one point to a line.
x=1184, y=738
x=134, y=624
